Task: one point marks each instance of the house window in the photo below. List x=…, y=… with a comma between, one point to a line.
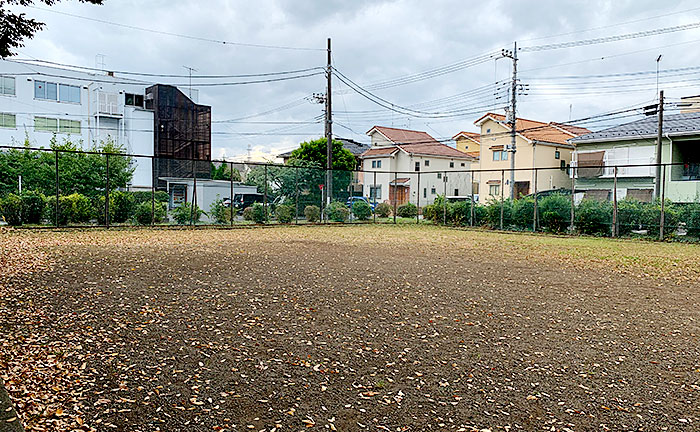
x=488, y=130
x=8, y=121
x=7, y=85
x=69, y=93
x=439, y=175
x=432, y=191
x=557, y=154
x=45, y=124
x=497, y=155
x=427, y=162
x=379, y=164
x=417, y=166
x=456, y=192
x=504, y=155
x=44, y=90
x=375, y=193
x=133, y=100
x=494, y=189
x=452, y=164
x=462, y=163
x=374, y=164
x=69, y=126
x=425, y=192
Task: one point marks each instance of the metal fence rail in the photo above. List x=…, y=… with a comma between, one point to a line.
x=89, y=188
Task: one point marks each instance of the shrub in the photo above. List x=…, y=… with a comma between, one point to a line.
x=145, y=196
x=142, y=215
x=248, y=213
x=32, y=207
x=383, y=210
x=361, y=210
x=12, y=209
x=594, y=217
x=312, y=213
x=408, y=210
x=493, y=213
x=285, y=213
x=430, y=212
x=73, y=208
x=459, y=212
x=555, y=212
x=689, y=214
x=121, y=206
x=219, y=213
x=259, y=213
x=524, y=212
x=183, y=214
x=337, y=211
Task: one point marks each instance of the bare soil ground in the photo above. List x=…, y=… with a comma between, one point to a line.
x=390, y=328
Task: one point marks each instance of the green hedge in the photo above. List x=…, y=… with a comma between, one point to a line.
x=11, y=209
x=554, y=212
x=338, y=212
x=284, y=213
x=312, y=213
x=383, y=210
x=408, y=210
x=142, y=215
x=361, y=210
x=594, y=217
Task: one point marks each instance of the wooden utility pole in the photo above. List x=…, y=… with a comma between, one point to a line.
x=660, y=111
x=329, y=130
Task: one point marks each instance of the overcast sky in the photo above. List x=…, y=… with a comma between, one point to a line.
x=377, y=41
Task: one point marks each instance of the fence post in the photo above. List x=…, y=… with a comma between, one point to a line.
x=374, y=198
x=573, y=201
x=265, y=195
x=57, y=190
x=153, y=190
x=418, y=199
x=396, y=175
x=232, y=194
x=194, y=193
x=107, y=193
x=502, y=187
x=534, y=210
x=444, y=190
x=296, y=194
x=663, y=204
x=614, y=218
x=471, y=195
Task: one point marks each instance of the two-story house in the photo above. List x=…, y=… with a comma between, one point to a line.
x=538, y=144
x=634, y=143
x=411, y=166
x=468, y=142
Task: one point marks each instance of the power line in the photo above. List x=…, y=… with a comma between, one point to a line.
x=198, y=38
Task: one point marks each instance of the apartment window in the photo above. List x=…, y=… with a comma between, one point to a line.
x=45, y=124
x=417, y=166
x=133, y=100
x=456, y=192
x=432, y=191
x=45, y=90
x=7, y=85
x=68, y=93
x=374, y=164
x=439, y=175
x=452, y=164
x=497, y=155
x=69, y=126
x=379, y=164
x=494, y=189
x=425, y=192
x=8, y=121
x=427, y=162
x=557, y=154
x=375, y=192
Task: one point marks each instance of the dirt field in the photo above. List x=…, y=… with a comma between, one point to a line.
x=390, y=328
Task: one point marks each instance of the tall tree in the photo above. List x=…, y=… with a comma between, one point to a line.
x=315, y=152
x=16, y=27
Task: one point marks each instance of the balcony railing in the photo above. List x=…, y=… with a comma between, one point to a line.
x=691, y=171
x=107, y=104
x=634, y=171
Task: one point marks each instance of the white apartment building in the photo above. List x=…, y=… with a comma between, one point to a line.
x=411, y=166
x=38, y=103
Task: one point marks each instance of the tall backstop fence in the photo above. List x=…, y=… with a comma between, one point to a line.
x=62, y=187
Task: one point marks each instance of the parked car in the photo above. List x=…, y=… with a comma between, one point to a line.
x=241, y=201
x=455, y=198
x=353, y=199
x=546, y=193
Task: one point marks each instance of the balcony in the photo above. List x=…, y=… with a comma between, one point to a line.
x=627, y=171
x=106, y=104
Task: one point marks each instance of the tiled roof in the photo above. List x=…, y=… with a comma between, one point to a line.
x=674, y=125
x=434, y=150
x=403, y=136
x=380, y=151
x=475, y=155
x=556, y=133
x=402, y=180
x=471, y=135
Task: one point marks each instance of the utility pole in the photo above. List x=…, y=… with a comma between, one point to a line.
x=513, y=55
x=657, y=189
x=329, y=129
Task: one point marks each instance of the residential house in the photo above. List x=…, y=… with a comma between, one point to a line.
x=538, y=144
x=411, y=166
x=468, y=142
x=634, y=143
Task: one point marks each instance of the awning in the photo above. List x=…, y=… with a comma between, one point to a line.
x=594, y=160
x=400, y=181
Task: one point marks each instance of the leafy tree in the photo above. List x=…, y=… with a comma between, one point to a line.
x=315, y=151
x=223, y=172
x=16, y=27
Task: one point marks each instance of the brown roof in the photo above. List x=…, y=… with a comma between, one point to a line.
x=556, y=133
x=476, y=136
x=475, y=155
x=434, y=150
x=379, y=151
x=403, y=136
x=400, y=181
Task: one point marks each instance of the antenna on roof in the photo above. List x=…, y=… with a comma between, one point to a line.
x=100, y=61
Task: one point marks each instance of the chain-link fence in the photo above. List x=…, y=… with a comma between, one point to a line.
x=73, y=188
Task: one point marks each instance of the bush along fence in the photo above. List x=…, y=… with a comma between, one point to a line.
x=64, y=186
